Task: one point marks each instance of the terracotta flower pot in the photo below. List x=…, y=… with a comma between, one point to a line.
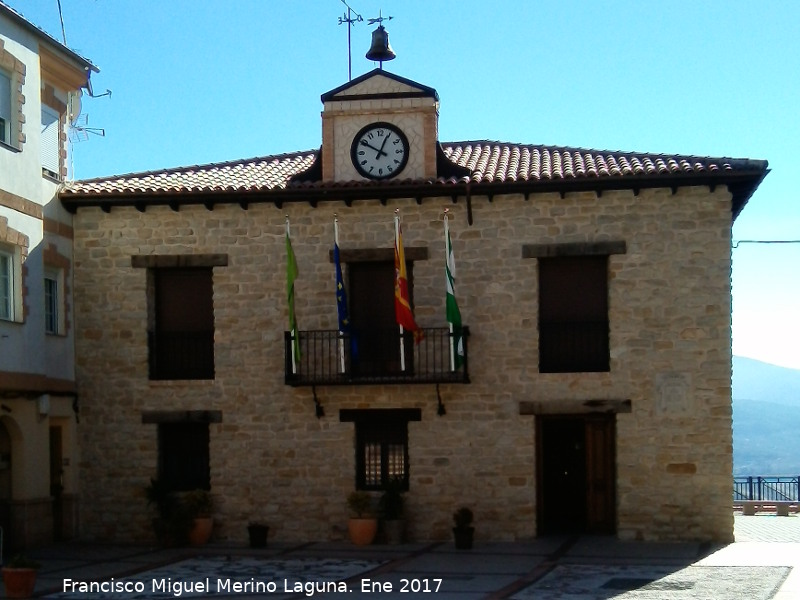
x=19, y=583
x=200, y=532
x=362, y=531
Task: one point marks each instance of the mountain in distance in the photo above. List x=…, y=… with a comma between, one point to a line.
x=766, y=419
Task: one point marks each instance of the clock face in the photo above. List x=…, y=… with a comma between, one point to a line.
x=379, y=151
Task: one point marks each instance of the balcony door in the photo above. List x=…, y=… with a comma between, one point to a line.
x=182, y=343
x=573, y=314
x=371, y=295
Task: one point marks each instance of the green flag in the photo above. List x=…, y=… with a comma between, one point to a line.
x=453, y=314
x=291, y=275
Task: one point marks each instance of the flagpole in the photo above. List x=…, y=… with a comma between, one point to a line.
x=397, y=250
x=447, y=259
x=293, y=332
x=341, y=334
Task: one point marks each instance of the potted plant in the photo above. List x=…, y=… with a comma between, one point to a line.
x=257, y=533
x=363, y=525
x=390, y=508
x=198, y=506
x=19, y=577
x=463, y=531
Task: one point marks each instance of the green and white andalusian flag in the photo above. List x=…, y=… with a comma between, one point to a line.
x=453, y=314
x=291, y=275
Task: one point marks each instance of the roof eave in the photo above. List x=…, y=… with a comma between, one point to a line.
x=50, y=40
x=741, y=184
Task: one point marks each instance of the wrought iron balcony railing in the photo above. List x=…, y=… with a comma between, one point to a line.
x=181, y=355
x=375, y=357
x=574, y=347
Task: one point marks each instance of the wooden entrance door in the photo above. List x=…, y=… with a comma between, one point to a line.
x=600, y=474
x=575, y=474
x=5, y=489
x=57, y=481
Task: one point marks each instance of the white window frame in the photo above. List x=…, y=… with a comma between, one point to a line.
x=50, y=142
x=8, y=287
x=54, y=301
x=6, y=104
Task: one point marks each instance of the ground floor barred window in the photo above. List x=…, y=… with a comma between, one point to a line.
x=381, y=446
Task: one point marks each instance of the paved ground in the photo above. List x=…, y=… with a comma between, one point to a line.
x=760, y=565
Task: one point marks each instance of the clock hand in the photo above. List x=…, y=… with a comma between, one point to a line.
x=386, y=139
x=378, y=150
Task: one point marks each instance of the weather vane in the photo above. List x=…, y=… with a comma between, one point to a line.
x=379, y=20
x=351, y=22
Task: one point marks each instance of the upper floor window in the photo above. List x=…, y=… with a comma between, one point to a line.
x=53, y=302
x=573, y=314
x=181, y=328
x=5, y=108
x=7, y=286
x=51, y=142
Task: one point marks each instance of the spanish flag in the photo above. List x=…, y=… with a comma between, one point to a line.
x=402, y=303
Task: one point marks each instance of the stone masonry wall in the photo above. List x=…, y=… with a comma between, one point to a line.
x=273, y=460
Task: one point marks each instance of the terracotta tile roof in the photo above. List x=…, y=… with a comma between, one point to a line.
x=488, y=162
x=496, y=161
x=482, y=167
x=263, y=173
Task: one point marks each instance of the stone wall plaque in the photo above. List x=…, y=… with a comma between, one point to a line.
x=673, y=394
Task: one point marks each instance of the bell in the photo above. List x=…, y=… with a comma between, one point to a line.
x=380, y=49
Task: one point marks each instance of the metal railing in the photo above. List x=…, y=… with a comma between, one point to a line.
x=374, y=357
x=571, y=347
x=181, y=355
x=766, y=488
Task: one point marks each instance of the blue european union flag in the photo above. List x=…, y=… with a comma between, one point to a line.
x=341, y=294
x=341, y=305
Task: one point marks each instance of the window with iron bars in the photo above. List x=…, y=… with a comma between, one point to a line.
x=381, y=446
x=382, y=454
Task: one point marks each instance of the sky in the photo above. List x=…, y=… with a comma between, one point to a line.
x=199, y=81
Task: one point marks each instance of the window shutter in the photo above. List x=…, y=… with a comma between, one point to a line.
x=51, y=302
x=5, y=108
x=50, y=141
x=5, y=97
x=6, y=287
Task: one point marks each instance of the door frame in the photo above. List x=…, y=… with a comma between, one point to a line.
x=601, y=508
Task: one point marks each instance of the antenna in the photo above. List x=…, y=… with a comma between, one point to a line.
x=348, y=18
x=61, y=18
x=79, y=129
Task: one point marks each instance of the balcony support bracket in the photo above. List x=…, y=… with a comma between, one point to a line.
x=440, y=408
x=320, y=412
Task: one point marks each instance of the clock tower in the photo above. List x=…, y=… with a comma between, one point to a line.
x=379, y=127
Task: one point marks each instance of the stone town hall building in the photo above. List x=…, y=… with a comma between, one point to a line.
x=595, y=286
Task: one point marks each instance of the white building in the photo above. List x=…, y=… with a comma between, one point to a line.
x=40, y=89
